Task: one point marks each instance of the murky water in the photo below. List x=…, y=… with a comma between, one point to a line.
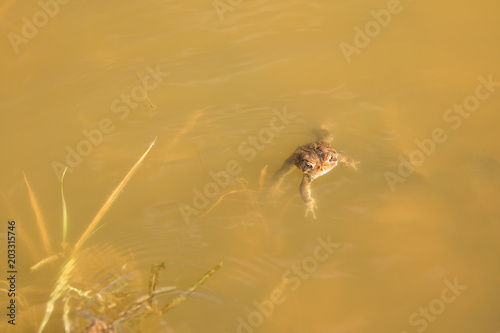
x=408, y=243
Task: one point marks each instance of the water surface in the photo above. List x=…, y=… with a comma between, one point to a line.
x=408, y=248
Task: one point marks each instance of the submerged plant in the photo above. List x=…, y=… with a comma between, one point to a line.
x=144, y=307
x=62, y=281
x=85, y=299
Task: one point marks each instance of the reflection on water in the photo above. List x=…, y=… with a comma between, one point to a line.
x=413, y=233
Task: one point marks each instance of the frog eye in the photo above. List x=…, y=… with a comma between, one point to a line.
x=309, y=165
x=331, y=160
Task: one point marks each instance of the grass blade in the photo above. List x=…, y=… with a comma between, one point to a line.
x=110, y=200
x=62, y=281
x=35, y=254
x=44, y=262
x=39, y=217
x=65, y=213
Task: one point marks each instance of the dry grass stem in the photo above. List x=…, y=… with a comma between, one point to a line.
x=44, y=262
x=22, y=233
x=64, y=211
x=110, y=200
x=39, y=218
x=62, y=284
x=153, y=279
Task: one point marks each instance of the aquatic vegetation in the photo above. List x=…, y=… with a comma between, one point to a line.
x=64, y=209
x=112, y=302
x=111, y=298
x=143, y=307
x=39, y=218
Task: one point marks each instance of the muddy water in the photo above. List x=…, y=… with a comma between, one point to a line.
x=408, y=243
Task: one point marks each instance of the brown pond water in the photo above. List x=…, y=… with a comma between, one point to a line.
x=396, y=247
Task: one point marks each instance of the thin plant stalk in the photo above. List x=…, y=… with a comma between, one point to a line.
x=182, y=297
x=39, y=217
x=21, y=230
x=63, y=279
x=44, y=262
x=64, y=211
x=110, y=200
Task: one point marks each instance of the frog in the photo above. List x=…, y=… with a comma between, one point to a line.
x=314, y=159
